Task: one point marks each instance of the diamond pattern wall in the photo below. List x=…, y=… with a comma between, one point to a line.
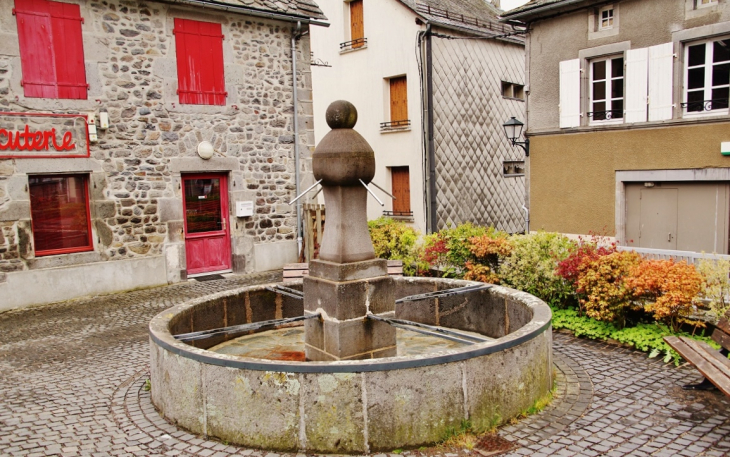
x=469, y=111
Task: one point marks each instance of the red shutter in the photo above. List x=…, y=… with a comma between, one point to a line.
x=51, y=49
x=200, y=62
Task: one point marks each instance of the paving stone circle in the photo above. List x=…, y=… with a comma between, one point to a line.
x=73, y=382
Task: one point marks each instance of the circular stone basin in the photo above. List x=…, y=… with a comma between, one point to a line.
x=356, y=406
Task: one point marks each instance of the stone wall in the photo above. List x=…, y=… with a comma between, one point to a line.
x=135, y=167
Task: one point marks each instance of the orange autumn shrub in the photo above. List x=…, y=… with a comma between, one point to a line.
x=487, y=251
x=602, y=288
x=479, y=272
x=668, y=289
x=486, y=246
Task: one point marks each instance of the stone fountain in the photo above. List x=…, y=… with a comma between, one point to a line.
x=355, y=393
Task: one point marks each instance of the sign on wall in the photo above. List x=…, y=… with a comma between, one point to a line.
x=43, y=135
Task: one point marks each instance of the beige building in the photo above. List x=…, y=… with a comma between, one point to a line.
x=433, y=82
x=628, y=120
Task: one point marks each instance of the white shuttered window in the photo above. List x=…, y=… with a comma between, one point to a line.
x=636, y=84
x=570, y=93
x=661, y=61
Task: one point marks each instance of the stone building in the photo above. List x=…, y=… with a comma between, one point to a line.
x=145, y=142
x=628, y=120
x=433, y=82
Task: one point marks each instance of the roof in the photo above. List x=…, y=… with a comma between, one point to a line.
x=295, y=8
x=535, y=8
x=473, y=15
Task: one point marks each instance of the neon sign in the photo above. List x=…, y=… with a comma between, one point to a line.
x=41, y=135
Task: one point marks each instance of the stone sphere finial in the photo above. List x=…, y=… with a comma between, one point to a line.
x=341, y=114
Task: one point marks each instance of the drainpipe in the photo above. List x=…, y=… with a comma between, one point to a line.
x=527, y=220
x=432, y=223
x=296, y=34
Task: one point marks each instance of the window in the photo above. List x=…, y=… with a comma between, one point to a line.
x=607, y=89
x=511, y=90
x=200, y=73
x=60, y=214
x=605, y=18
x=401, y=191
x=398, y=104
x=51, y=49
x=707, y=76
x=704, y=3
x=513, y=168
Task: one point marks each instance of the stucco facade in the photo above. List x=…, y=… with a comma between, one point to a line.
x=135, y=170
x=584, y=159
x=464, y=113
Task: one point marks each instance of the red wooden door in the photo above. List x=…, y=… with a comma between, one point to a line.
x=207, y=238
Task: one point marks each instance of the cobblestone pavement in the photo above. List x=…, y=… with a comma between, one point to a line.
x=72, y=378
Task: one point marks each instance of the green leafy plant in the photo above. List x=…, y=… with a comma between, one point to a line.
x=646, y=337
x=395, y=240
x=531, y=266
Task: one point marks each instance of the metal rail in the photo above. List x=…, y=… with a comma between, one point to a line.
x=444, y=293
x=286, y=291
x=431, y=330
x=240, y=328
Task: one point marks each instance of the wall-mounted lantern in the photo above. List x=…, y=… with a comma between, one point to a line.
x=513, y=130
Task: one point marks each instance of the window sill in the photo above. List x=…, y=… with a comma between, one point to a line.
x=607, y=122
x=513, y=98
x=694, y=120
x=398, y=218
x=395, y=129
x=349, y=50
x=705, y=114
x=64, y=260
x=515, y=175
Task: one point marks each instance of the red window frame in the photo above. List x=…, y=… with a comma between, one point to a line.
x=58, y=225
x=51, y=49
x=200, y=74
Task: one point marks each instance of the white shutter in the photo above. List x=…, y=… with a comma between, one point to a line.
x=661, y=62
x=637, y=69
x=570, y=93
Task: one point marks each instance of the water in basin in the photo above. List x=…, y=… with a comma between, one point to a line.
x=288, y=344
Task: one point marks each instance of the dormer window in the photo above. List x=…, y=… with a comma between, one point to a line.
x=605, y=17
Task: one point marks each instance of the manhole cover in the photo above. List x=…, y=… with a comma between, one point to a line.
x=493, y=444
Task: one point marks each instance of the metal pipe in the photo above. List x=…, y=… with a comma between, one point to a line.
x=444, y=293
x=371, y=193
x=296, y=34
x=431, y=330
x=384, y=191
x=305, y=192
x=432, y=222
x=527, y=220
x=240, y=328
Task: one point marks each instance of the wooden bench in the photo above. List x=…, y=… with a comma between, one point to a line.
x=713, y=365
x=294, y=271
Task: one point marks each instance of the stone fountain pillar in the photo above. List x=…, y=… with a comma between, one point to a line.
x=347, y=282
